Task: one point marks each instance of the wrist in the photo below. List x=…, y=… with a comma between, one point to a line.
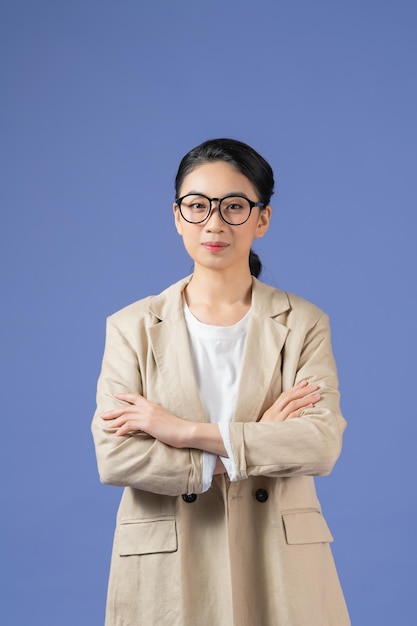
x=189, y=435
x=205, y=436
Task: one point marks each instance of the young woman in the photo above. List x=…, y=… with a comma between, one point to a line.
x=217, y=403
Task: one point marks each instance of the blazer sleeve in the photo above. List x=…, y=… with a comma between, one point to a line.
x=309, y=444
x=137, y=460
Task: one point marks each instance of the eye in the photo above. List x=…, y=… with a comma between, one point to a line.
x=234, y=206
x=195, y=204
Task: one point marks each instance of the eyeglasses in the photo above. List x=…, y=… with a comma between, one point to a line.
x=234, y=210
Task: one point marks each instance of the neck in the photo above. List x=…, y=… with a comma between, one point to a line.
x=218, y=298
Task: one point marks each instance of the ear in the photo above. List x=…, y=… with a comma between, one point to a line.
x=177, y=218
x=263, y=221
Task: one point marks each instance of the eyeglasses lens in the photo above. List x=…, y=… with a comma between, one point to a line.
x=234, y=209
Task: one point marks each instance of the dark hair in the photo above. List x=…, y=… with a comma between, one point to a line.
x=245, y=160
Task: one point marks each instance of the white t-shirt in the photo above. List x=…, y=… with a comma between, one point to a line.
x=217, y=353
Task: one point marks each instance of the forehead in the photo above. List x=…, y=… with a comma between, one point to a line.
x=217, y=179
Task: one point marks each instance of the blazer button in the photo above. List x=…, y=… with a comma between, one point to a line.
x=261, y=495
x=189, y=497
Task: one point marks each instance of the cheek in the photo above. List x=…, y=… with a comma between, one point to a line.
x=253, y=230
x=188, y=233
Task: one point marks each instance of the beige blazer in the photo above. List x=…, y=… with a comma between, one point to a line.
x=254, y=552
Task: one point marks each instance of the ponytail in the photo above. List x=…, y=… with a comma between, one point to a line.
x=255, y=264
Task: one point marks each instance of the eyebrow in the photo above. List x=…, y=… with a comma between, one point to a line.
x=229, y=193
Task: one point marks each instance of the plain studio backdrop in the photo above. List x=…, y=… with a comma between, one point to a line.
x=99, y=101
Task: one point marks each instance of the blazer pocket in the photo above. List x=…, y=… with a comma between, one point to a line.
x=305, y=526
x=147, y=536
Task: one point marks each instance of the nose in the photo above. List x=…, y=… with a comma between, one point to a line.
x=214, y=222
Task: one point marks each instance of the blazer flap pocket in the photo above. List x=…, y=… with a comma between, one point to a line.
x=147, y=536
x=305, y=526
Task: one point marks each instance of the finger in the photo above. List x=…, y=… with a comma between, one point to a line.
x=115, y=413
x=110, y=415
x=287, y=404
x=126, y=425
x=133, y=398
x=306, y=400
x=125, y=429
x=300, y=392
x=299, y=404
x=119, y=421
x=295, y=393
x=298, y=412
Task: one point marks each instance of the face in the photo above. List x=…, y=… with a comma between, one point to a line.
x=215, y=244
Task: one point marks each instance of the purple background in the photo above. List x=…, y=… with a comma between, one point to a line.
x=99, y=101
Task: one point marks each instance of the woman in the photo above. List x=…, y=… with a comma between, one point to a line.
x=217, y=404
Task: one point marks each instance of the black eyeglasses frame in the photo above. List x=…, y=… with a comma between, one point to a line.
x=252, y=205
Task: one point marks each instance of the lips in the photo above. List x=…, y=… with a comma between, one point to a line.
x=215, y=246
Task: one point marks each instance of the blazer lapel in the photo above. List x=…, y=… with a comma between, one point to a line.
x=262, y=357
x=172, y=353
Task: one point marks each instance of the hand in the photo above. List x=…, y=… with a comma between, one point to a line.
x=291, y=403
x=139, y=414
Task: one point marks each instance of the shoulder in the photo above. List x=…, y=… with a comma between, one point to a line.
x=302, y=306
x=278, y=303
x=131, y=311
x=152, y=309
